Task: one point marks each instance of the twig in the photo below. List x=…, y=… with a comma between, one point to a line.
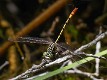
x=97, y=60
x=90, y=75
x=98, y=38
x=3, y=65
x=31, y=78
x=36, y=68
x=43, y=65
x=51, y=29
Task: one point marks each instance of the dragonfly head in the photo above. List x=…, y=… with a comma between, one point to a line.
x=47, y=55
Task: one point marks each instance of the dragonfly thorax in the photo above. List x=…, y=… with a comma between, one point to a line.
x=49, y=53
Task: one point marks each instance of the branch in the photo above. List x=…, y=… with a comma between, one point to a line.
x=36, y=68
x=98, y=38
x=43, y=65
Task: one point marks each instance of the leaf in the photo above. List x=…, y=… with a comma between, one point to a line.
x=73, y=65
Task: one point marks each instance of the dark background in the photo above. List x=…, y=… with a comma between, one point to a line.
x=81, y=29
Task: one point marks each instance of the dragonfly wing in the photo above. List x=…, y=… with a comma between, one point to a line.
x=77, y=56
x=30, y=40
x=64, y=46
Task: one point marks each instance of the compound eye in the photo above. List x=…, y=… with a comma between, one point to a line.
x=44, y=54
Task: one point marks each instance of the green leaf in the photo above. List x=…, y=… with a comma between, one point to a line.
x=73, y=31
x=73, y=65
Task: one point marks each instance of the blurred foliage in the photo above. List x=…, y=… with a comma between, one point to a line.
x=72, y=31
x=82, y=28
x=1, y=34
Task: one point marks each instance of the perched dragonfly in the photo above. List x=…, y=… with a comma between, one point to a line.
x=48, y=54
x=56, y=47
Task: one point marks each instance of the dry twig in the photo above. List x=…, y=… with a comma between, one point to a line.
x=43, y=65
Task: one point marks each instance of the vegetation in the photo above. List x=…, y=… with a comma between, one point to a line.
x=41, y=22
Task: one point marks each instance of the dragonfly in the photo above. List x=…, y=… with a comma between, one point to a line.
x=58, y=48
x=48, y=54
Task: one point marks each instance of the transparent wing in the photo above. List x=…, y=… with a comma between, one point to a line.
x=76, y=56
x=31, y=40
x=64, y=46
x=67, y=47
